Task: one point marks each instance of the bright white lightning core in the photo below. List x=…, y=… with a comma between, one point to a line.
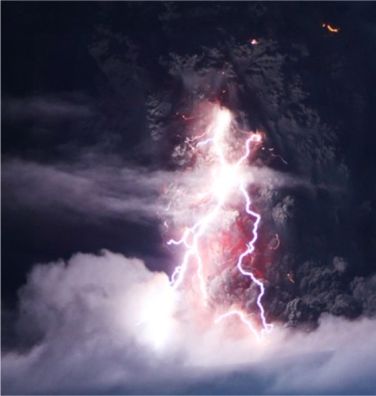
x=226, y=179
x=155, y=313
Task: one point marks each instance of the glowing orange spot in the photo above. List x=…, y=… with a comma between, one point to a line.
x=330, y=28
x=333, y=29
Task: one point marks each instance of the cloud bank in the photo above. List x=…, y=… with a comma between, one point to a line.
x=106, y=324
x=98, y=189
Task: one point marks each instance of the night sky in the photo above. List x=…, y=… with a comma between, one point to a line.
x=92, y=94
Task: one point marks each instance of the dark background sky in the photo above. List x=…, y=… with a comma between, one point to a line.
x=75, y=83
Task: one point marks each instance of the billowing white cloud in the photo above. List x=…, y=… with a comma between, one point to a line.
x=106, y=324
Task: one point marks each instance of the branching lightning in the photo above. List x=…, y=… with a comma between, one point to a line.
x=228, y=178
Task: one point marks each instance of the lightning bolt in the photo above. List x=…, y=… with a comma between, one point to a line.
x=250, y=249
x=228, y=178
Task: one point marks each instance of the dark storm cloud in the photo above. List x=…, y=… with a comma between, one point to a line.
x=282, y=211
x=364, y=291
x=257, y=87
x=322, y=289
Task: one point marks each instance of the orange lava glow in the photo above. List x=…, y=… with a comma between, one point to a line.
x=330, y=28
